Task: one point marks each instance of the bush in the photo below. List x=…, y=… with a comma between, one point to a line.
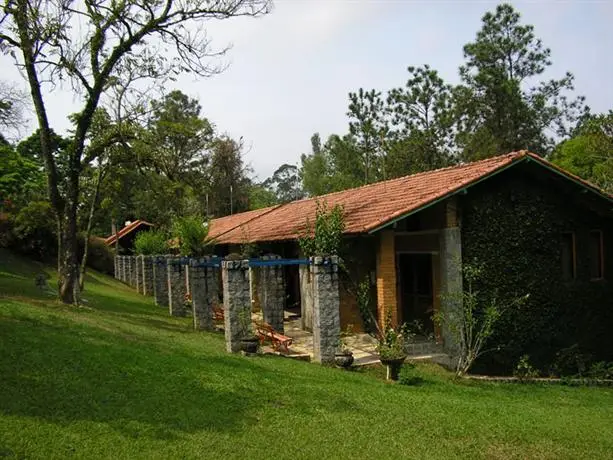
x=100, y=257
x=34, y=230
x=524, y=370
x=325, y=238
x=408, y=377
x=191, y=233
x=151, y=242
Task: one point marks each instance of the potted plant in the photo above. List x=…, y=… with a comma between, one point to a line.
x=392, y=348
x=343, y=357
x=249, y=341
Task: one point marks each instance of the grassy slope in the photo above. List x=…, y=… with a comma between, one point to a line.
x=121, y=379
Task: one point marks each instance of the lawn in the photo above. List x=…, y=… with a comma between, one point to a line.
x=118, y=378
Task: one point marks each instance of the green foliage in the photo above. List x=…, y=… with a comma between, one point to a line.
x=21, y=178
x=601, y=370
x=285, y=184
x=325, y=237
x=261, y=197
x=100, y=257
x=363, y=299
x=524, y=370
x=502, y=104
x=408, y=376
x=151, y=242
x=34, y=229
x=392, y=342
x=514, y=227
x=191, y=234
x=496, y=113
x=471, y=316
x=589, y=152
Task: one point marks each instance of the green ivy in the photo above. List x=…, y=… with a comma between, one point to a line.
x=514, y=228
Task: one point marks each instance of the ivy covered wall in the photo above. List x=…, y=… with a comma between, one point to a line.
x=513, y=223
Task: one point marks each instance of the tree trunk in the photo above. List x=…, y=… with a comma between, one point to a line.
x=88, y=231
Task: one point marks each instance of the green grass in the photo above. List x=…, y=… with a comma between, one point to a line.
x=120, y=379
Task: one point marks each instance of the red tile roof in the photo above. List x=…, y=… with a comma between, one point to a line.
x=124, y=231
x=222, y=225
x=369, y=207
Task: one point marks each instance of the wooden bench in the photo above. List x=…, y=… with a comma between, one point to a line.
x=218, y=313
x=278, y=341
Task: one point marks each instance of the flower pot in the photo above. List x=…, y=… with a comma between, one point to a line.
x=393, y=366
x=250, y=344
x=343, y=360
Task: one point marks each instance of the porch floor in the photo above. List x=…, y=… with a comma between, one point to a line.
x=362, y=345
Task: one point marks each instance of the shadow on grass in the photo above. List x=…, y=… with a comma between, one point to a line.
x=64, y=374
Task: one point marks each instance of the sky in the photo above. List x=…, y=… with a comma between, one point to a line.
x=289, y=73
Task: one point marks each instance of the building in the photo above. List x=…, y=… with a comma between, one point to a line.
x=535, y=229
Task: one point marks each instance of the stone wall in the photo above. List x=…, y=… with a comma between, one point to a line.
x=272, y=293
x=176, y=286
x=203, y=289
x=147, y=275
x=236, y=301
x=132, y=271
x=160, y=280
x=139, y=274
x=326, y=302
x=306, y=298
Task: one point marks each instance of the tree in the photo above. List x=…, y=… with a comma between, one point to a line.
x=589, y=152
x=285, y=183
x=497, y=111
x=12, y=107
x=369, y=125
x=178, y=138
x=113, y=38
x=229, y=185
x=421, y=125
x=261, y=196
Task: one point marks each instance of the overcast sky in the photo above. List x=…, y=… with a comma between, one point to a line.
x=290, y=71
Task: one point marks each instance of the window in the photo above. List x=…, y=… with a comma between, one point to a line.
x=596, y=255
x=569, y=266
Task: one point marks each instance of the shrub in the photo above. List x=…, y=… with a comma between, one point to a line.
x=524, y=370
x=407, y=376
x=325, y=237
x=601, y=370
x=34, y=229
x=151, y=242
x=191, y=233
x=100, y=257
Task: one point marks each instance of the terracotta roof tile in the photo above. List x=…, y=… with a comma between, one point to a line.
x=368, y=207
x=124, y=231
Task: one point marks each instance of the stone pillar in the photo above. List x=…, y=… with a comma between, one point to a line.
x=139, y=273
x=131, y=271
x=176, y=286
x=203, y=289
x=450, y=282
x=236, y=301
x=272, y=291
x=326, y=308
x=306, y=298
x=160, y=280
x=122, y=269
x=147, y=275
x=116, y=267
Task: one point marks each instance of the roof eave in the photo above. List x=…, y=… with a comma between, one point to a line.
x=447, y=195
